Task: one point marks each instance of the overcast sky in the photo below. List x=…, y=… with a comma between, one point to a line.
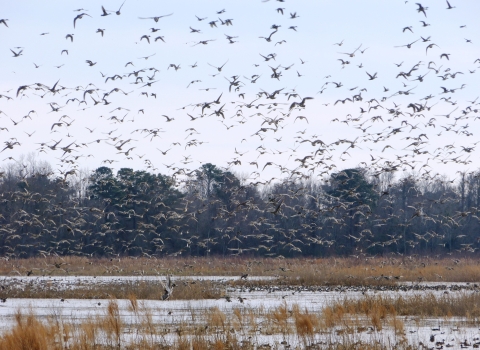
x=306, y=53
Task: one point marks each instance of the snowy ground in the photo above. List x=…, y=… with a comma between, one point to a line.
x=451, y=331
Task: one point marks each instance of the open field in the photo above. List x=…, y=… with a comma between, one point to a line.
x=377, y=303
x=81, y=278
x=349, y=271
x=382, y=320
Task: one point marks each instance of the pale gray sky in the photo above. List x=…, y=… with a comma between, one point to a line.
x=376, y=26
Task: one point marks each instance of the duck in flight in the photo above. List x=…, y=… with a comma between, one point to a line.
x=156, y=18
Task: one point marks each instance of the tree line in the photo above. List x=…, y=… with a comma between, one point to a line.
x=212, y=211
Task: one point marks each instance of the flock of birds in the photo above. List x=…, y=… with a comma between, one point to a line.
x=389, y=130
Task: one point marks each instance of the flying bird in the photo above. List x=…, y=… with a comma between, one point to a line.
x=156, y=18
x=300, y=104
x=80, y=16
x=167, y=288
x=104, y=12
x=449, y=6
x=218, y=68
x=147, y=37
x=118, y=13
x=421, y=9
x=16, y=54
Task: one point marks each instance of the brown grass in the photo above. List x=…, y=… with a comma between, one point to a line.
x=28, y=334
x=306, y=325
x=295, y=272
x=112, y=326
x=460, y=304
x=379, y=311
x=340, y=322
x=330, y=271
x=143, y=289
x=374, y=313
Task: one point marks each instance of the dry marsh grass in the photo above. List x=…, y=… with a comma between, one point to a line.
x=28, y=333
x=384, y=310
x=374, y=313
x=341, y=322
x=346, y=271
x=143, y=289
x=463, y=304
x=337, y=327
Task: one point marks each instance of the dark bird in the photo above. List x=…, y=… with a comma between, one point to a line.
x=80, y=16
x=118, y=12
x=421, y=9
x=430, y=46
x=449, y=6
x=145, y=37
x=300, y=104
x=104, y=12
x=203, y=42
x=167, y=288
x=351, y=54
x=156, y=18
x=21, y=89
x=218, y=68
x=269, y=38
x=408, y=45
x=16, y=54
x=277, y=208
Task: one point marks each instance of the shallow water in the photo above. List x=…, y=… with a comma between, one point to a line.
x=172, y=313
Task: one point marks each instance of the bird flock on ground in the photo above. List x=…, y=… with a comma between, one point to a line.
x=273, y=131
